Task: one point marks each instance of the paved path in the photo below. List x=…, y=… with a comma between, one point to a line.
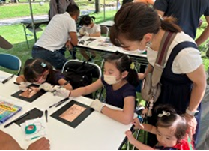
x=28, y=18
x=41, y=17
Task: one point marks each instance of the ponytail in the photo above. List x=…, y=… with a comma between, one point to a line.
x=169, y=24
x=92, y=17
x=132, y=76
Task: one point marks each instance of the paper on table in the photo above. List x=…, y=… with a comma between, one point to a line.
x=2, y=78
x=36, y=128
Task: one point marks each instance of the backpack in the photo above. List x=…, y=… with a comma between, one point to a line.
x=80, y=74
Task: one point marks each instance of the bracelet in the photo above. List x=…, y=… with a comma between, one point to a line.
x=190, y=113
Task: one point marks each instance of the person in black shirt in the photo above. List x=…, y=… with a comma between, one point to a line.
x=187, y=13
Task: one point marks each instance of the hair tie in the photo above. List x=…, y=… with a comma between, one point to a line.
x=132, y=66
x=43, y=65
x=161, y=18
x=164, y=113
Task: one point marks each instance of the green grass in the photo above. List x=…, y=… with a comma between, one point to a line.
x=19, y=10
x=15, y=35
x=22, y=9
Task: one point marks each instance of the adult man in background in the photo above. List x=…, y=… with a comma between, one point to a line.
x=188, y=14
x=60, y=32
x=58, y=7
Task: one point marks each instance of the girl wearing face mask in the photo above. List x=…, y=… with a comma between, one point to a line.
x=119, y=79
x=89, y=29
x=40, y=72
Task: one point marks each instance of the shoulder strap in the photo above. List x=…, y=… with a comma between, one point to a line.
x=161, y=57
x=164, y=46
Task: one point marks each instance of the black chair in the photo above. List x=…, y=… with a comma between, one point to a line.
x=78, y=72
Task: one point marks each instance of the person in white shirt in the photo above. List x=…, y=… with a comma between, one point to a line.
x=89, y=29
x=59, y=34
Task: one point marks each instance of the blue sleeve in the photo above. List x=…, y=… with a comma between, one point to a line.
x=59, y=76
x=206, y=13
x=129, y=91
x=161, y=5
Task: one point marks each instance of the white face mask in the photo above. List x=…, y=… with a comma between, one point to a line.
x=138, y=51
x=110, y=79
x=135, y=51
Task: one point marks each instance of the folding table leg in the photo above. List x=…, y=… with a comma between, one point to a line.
x=26, y=38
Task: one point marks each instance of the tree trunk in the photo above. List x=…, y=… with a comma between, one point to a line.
x=97, y=6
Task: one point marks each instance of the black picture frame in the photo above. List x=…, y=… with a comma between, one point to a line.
x=77, y=120
x=31, y=99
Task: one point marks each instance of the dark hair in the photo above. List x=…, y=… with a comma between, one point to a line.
x=34, y=68
x=123, y=63
x=134, y=20
x=86, y=20
x=172, y=120
x=73, y=9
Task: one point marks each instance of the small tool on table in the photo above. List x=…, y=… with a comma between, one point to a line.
x=59, y=103
x=7, y=125
x=7, y=79
x=46, y=114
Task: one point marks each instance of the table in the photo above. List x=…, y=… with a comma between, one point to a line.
x=108, y=23
x=26, y=23
x=95, y=132
x=100, y=45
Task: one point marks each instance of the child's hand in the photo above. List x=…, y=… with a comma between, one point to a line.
x=137, y=124
x=61, y=92
x=130, y=136
x=97, y=105
x=47, y=87
x=24, y=86
x=86, y=34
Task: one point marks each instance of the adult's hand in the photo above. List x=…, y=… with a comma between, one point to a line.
x=69, y=45
x=41, y=144
x=192, y=122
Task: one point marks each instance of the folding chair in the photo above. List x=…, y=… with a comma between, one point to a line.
x=10, y=62
x=75, y=64
x=104, y=30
